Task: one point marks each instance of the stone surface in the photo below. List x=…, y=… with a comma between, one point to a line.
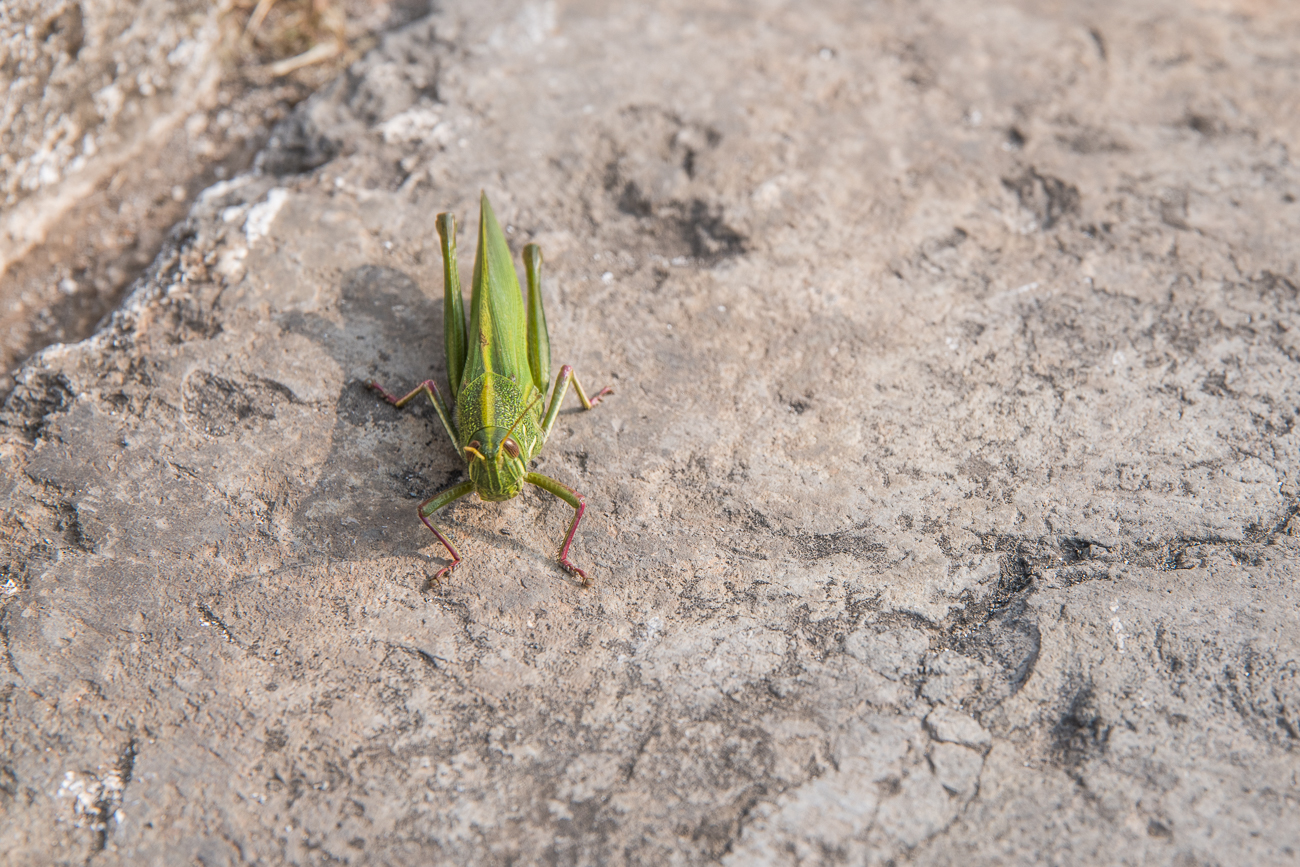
x=114, y=116
x=89, y=87
x=944, y=512
x=104, y=121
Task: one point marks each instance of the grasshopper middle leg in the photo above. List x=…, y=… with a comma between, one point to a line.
x=430, y=388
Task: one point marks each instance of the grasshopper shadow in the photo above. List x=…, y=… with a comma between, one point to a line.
x=362, y=504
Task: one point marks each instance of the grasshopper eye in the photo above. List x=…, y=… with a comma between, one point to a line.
x=473, y=450
x=511, y=447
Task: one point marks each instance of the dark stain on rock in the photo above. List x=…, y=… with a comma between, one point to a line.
x=656, y=173
x=889, y=786
x=379, y=292
x=73, y=531
x=1075, y=550
x=817, y=546
x=276, y=740
x=361, y=406
x=977, y=468
x=1216, y=384
x=223, y=404
x=296, y=146
x=34, y=400
x=1099, y=41
x=1080, y=732
x=66, y=31
x=1272, y=285
x=632, y=201
x=705, y=231
x=1203, y=124
x=1091, y=141
x=1049, y=199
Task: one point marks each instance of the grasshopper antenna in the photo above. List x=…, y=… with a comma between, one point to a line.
x=509, y=433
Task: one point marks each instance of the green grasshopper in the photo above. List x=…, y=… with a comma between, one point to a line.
x=497, y=373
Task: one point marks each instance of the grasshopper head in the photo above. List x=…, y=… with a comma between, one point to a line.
x=496, y=464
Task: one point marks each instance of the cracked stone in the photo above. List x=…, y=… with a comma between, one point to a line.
x=957, y=768
x=950, y=726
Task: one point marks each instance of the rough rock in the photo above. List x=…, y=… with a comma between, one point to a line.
x=944, y=511
x=72, y=117
x=114, y=116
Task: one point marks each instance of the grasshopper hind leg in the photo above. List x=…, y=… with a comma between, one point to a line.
x=557, y=398
x=582, y=395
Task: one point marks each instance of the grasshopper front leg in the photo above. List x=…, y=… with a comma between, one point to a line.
x=579, y=504
x=433, y=504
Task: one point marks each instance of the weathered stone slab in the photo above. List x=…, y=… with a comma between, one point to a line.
x=944, y=512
